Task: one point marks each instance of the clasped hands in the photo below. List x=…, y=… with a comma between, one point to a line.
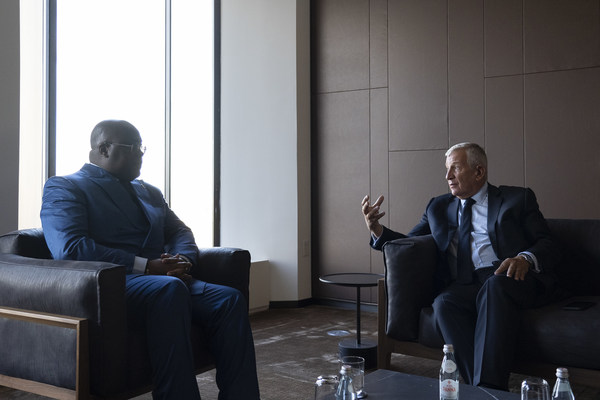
x=171, y=265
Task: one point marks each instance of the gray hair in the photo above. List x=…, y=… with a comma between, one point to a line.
x=475, y=154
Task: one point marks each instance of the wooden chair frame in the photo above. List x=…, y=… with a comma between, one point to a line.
x=80, y=325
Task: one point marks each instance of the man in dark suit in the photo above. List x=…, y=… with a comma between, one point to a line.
x=102, y=212
x=496, y=258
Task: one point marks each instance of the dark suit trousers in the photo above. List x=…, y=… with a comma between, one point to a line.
x=482, y=321
x=165, y=307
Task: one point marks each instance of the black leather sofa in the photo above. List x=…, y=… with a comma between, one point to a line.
x=551, y=336
x=63, y=328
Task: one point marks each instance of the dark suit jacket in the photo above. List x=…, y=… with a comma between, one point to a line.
x=90, y=215
x=515, y=224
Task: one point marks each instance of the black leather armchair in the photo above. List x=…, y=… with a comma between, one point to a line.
x=63, y=328
x=550, y=336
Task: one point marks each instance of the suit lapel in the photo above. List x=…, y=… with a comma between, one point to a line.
x=114, y=191
x=494, y=203
x=146, y=204
x=452, y=219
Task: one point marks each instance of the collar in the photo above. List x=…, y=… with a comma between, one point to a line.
x=104, y=172
x=479, y=197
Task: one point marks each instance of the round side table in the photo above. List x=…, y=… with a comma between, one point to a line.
x=365, y=348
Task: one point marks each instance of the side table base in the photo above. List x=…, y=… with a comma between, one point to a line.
x=367, y=350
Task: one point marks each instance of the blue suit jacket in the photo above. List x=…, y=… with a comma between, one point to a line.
x=89, y=216
x=515, y=224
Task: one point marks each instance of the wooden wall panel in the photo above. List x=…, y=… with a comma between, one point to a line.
x=504, y=140
x=341, y=53
x=379, y=160
x=418, y=74
x=465, y=71
x=378, y=40
x=415, y=177
x=561, y=34
x=342, y=165
x=503, y=35
x=562, y=141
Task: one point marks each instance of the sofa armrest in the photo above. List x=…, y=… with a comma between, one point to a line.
x=410, y=265
x=26, y=243
x=83, y=289
x=224, y=266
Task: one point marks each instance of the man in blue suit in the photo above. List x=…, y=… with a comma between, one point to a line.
x=102, y=212
x=492, y=264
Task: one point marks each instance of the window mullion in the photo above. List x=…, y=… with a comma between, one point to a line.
x=168, y=101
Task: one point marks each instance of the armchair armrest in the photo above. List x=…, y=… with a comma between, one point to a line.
x=94, y=291
x=25, y=242
x=224, y=266
x=410, y=265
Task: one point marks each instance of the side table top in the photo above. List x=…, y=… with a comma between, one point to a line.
x=354, y=279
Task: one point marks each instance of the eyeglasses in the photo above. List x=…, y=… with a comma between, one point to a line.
x=139, y=147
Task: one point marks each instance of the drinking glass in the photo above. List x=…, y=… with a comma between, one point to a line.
x=325, y=387
x=535, y=389
x=357, y=372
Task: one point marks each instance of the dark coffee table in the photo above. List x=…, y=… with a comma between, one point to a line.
x=390, y=385
x=365, y=348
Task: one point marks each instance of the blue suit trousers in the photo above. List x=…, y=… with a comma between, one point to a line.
x=165, y=307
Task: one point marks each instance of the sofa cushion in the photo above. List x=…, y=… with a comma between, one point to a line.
x=549, y=334
x=559, y=337
x=578, y=272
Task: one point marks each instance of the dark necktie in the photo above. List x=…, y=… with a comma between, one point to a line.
x=464, y=262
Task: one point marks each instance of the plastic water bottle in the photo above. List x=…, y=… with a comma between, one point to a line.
x=345, y=390
x=449, y=375
x=562, y=387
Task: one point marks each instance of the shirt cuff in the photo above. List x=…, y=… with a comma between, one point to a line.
x=530, y=256
x=139, y=265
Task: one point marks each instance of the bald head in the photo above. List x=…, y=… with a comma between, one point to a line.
x=115, y=147
x=110, y=129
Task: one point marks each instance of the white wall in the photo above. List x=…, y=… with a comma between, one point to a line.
x=9, y=114
x=265, y=134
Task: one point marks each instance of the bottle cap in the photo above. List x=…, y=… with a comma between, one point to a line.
x=448, y=348
x=562, y=373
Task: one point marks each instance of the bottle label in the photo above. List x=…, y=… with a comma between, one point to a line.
x=449, y=366
x=448, y=389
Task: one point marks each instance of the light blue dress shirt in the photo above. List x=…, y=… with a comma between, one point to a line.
x=482, y=252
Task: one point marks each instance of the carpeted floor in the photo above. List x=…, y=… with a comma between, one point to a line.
x=293, y=347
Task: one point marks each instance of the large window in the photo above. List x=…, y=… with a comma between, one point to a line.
x=149, y=62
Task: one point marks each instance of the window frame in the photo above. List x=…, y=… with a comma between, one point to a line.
x=49, y=118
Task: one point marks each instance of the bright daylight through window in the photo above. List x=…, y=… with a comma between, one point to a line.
x=149, y=62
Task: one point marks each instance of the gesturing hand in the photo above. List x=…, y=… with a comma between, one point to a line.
x=372, y=215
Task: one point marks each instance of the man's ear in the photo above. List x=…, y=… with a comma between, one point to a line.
x=103, y=149
x=480, y=170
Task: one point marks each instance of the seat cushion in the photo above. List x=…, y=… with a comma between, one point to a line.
x=556, y=336
x=549, y=334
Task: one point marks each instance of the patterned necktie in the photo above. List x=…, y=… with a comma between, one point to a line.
x=464, y=262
